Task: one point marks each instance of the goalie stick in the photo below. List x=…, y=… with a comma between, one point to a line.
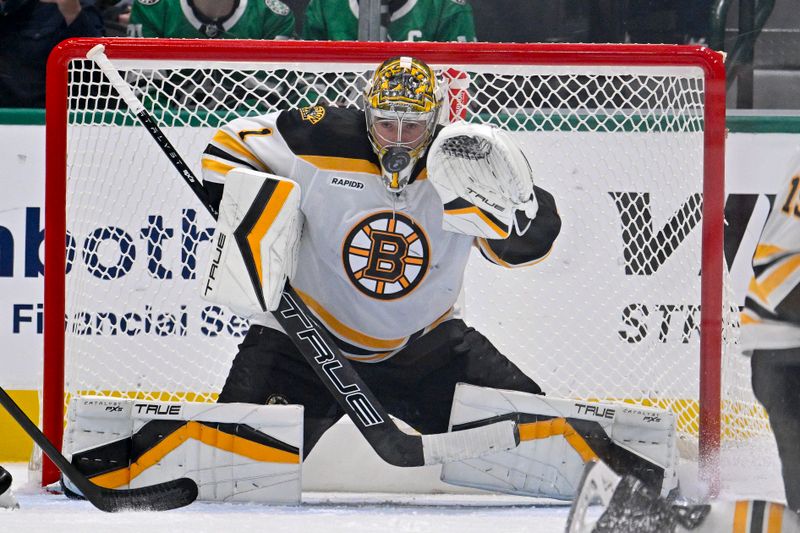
x=159, y=497
x=315, y=344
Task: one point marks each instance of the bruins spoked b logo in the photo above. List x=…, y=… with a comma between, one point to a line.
x=386, y=255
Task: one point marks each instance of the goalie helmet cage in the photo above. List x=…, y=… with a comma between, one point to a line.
x=629, y=138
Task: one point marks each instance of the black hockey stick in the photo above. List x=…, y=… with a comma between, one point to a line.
x=5, y=480
x=7, y=499
x=315, y=344
x=160, y=497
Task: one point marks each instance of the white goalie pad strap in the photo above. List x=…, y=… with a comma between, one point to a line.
x=482, y=177
x=255, y=244
x=234, y=452
x=467, y=443
x=558, y=437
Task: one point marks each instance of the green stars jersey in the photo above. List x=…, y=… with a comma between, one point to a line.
x=250, y=19
x=410, y=20
x=771, y=315
x=375, y=268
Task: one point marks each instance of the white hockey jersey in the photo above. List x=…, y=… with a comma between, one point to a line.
x=771, y=316
x=375, y=268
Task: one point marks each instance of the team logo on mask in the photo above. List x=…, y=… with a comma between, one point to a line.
x=386, y=255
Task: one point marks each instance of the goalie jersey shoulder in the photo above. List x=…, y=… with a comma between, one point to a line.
x=276, y=141
x=321, y=131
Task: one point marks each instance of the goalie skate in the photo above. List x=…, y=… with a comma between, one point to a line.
x=630, y=506
x=597, y=486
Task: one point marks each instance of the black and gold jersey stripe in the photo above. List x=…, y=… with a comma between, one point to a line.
x=357, y=345
x=532, y=246
x=336, y=141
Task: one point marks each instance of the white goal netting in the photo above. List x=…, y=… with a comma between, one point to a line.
x=612, y=313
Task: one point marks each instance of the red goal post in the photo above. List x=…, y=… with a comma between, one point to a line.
x=611, y=127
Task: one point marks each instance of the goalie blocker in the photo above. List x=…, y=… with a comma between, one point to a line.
x=255, y=244
x=557, y=437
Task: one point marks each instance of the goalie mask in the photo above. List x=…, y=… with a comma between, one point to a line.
x=401, y=105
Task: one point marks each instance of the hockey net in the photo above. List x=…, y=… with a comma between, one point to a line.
x=629, y=139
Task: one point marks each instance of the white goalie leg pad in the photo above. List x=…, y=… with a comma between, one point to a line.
x=256, y=241
x=234, y=452
x=482, y=177
x=557, y=437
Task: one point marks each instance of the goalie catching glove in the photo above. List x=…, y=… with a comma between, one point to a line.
x=483, y=179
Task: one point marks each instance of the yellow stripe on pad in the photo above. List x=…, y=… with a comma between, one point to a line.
x=557, y=426
x=202, y=433
x=274, y=204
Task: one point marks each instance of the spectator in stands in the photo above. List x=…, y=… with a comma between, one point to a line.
x=29, y=29
x=423, y=20
x=116, y=15
x=211, y=19
x=666, y=21
x=694, y=20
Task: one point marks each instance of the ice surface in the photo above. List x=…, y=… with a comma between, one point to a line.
x=748, y=472
x=41, y=512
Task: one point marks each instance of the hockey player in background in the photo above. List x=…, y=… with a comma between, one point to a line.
x=771, y=327
x=372, y=214
x=770, y=334
x=406, y=20
x=211, y=19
